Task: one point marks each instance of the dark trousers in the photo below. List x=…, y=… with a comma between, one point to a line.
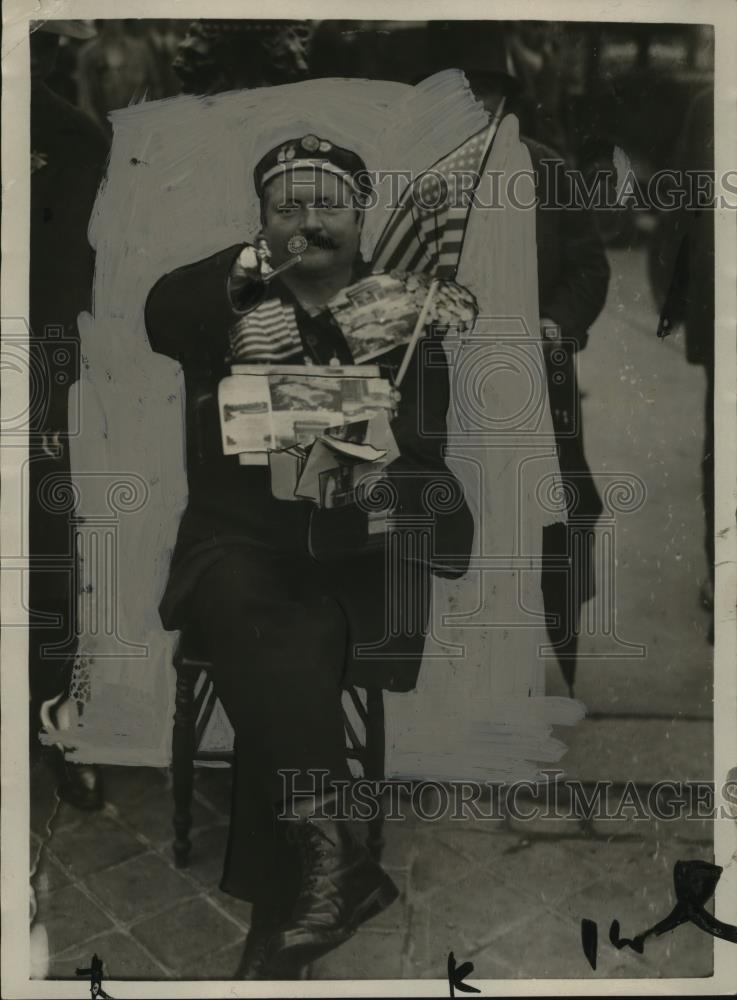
x=277, y=642
x=281, y=632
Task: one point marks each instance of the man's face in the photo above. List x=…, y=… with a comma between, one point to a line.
x=319, y=206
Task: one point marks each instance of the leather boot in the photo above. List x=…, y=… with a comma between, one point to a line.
x=256, y=963
x=268, y=915
x=341, y=887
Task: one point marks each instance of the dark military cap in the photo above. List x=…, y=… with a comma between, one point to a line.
x=313, y=153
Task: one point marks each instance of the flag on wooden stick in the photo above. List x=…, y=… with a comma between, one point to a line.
x=428, y=226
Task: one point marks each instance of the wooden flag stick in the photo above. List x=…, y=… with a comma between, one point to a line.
x=419, y=327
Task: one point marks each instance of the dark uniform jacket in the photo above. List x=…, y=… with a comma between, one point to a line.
x=573, y=279
x=188, y=317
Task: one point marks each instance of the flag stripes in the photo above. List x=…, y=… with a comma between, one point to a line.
x=268, y=335
x=427, y=228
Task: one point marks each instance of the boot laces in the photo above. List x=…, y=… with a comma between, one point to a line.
x=314, y=846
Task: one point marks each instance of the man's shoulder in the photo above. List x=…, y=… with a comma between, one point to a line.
x=217, y=261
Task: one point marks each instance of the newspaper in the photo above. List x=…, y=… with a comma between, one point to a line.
x=275, y=407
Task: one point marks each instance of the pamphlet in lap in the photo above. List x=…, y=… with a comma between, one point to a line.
x=274, y=407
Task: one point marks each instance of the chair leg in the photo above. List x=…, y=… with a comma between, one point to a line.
x=375, y=765
x=183, y=749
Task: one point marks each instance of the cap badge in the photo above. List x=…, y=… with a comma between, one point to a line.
x=311, y=143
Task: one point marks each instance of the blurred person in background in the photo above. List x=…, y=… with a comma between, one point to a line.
x=537, y=64
x=116, y=69
x=164, y=38
x=573, y=279
x=63, y=78
x=68, y=157
x=682, y=261
x=382, y=50
x=219, y=55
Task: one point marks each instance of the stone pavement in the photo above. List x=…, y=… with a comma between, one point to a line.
x=508, y=896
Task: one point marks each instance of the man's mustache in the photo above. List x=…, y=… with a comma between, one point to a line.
x=321, y=242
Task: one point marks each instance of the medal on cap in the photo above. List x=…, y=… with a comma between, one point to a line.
x=311, y=143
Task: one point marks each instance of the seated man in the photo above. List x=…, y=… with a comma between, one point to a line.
x=280, y=626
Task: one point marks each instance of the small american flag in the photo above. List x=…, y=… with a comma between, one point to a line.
x=419, y=237
x=267, y=335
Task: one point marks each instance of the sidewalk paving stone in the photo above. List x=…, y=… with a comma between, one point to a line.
x=70, y=918
x=138, y=886
x=191, y=929
x=94, y=844
x=50, y=875
x=434, y=863
x=238, y=909
x=546, y=870
x=129, y=784
x=648, y=750
x=123, y=958
x=68, y=816
x=473, y=911
x=642, y=867
x=217, y=964
x=543, y=826
x=151, y=813
x=367, y=955
x=476, y=843
x=208, y=854
x=401, y=844
x=693, y=829
x=392, y=920
x=542, y=948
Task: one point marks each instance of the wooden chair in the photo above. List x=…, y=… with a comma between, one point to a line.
x=193, y=710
